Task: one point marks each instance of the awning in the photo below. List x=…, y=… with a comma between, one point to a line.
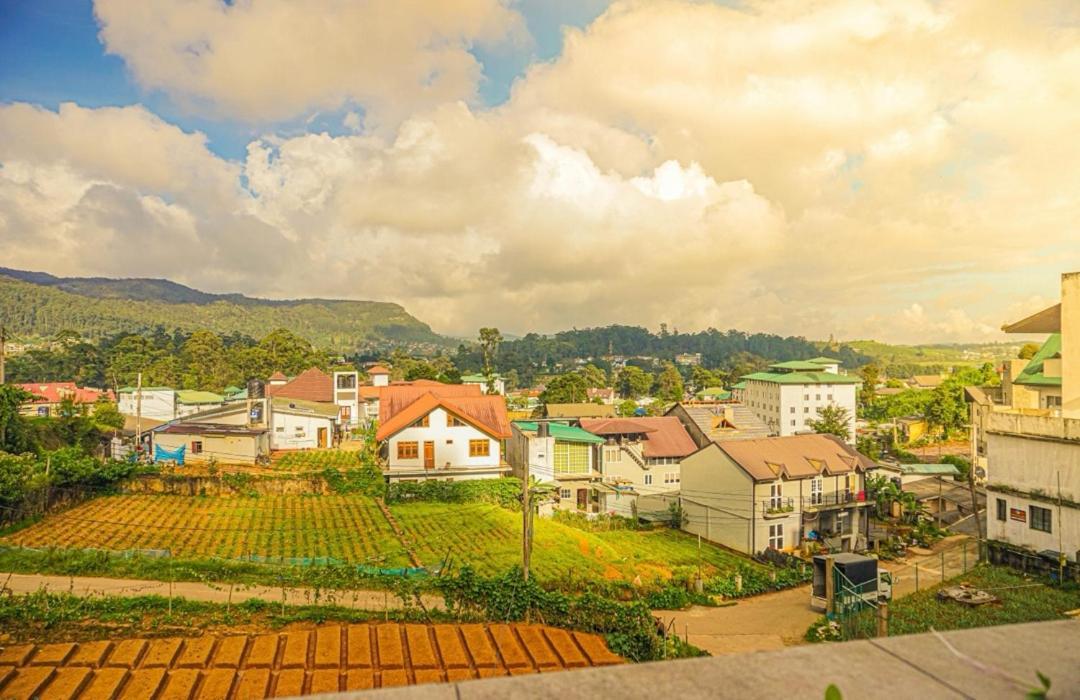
x=1046, y=321
x=601, y=487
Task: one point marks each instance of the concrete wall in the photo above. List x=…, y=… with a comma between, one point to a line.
x=718, y=499
x=226, y=449
x=1070, y=345
x=299, y=432
x=156, y=405
x=787, y=408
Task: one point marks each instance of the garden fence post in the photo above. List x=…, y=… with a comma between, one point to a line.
x=942, y=566
x=883, y=619
x=916, y=577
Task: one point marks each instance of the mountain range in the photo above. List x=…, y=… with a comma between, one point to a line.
x=37, y=304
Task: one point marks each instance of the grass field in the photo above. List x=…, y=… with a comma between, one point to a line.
x=489, y=538
x=349, y=528
x=1022, y=599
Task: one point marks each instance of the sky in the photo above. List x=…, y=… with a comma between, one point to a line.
x=906, y=170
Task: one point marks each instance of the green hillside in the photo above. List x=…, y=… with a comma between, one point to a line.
x=40, y=305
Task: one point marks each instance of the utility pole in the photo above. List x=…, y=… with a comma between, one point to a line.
x=3, y=347
x=138, y=415
x=1061, y=551
x=971, y=480
x=526, y=523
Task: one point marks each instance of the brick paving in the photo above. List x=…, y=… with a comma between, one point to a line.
x=324, y=659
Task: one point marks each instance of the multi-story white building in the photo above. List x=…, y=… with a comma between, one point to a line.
x=1030, y=444
x=790, y=394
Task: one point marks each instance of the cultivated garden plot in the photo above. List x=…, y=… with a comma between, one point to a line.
x=316, y=460
x=344, y=527
x=489, y=538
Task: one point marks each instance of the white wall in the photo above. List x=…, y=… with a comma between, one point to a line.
x=451, y=445
x=299, y=432
x=787, y=408
x=159, y=404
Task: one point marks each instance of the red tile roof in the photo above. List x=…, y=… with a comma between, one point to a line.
x=664, y=436
x=401, y=406
x=277, y=376
x=378, y=369
x=796, y=456
x=55, y=392
x=310, y=385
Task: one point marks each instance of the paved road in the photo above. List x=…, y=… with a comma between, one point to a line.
x=775, y=620
x=210, y=593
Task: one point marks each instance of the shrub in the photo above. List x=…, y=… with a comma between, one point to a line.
x=503, y=492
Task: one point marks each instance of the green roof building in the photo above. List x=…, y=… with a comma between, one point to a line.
x=789, y=396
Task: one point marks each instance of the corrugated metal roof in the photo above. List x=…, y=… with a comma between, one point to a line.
x=1033, y=374
x=560, y=431
x=795, y=456
x=192, y=396
x=662, y=436
x=802, y=378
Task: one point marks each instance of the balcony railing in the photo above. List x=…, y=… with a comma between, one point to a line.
x=777, y=507
x=836, y=499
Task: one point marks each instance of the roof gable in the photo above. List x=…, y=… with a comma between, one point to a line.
x=401, y=406
x=1033, y=374
x=795, y=457
x=310, y=385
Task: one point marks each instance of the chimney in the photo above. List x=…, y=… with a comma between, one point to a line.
x=542, y=430
x=1070, y=345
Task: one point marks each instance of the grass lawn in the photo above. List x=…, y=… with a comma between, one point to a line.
x=1023, y=599
x=489, y=538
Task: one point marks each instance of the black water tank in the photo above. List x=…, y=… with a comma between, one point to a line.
x=256, y=389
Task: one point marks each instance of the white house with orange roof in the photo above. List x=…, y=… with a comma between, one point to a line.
x=440, y=431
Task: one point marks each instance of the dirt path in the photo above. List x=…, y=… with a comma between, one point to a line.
x=775, y=620
x=216, y=593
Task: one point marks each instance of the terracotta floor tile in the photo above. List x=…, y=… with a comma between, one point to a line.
x=216, y=684
x=89, y=654
x=479, y=645
x=254, y=684
x=196, y=652
x=459, y=674
x=51, y=654
x=16, y=655
x=427, y=675
x=537, y=646
x=358, y=653
x=126, y=653
x=6, y=673
x=290, y=682
x=328, y=647
x=180, y=684
x=161, y=653
x=325, y=680
x=391, y=654
x=359, y=679
x=105, y=684
x=596, y=649
x=393, y=677
x=67, y=683
x=263, y=651
x=509, y=648
x=229, y=652
x=142, y=684
x=28, y=681
x=421, y=651
x=566, y=648
x=296, y=650
x=451, y=648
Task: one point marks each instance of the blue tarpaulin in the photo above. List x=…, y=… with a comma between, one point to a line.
x=163, y=455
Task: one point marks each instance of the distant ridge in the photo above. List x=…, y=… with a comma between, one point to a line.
x=41, y=304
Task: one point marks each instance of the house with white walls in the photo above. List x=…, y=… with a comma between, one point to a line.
x=558, y=453
x=640, y=461
x=790, y=395
x=498, y=384
x=296, y=424
x=337, y=393
x=442, y=431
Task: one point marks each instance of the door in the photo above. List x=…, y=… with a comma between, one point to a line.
x=429, y=454
x=322, y=437
x=583, y=499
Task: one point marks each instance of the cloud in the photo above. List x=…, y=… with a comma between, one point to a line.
x=277, y=59
x=905, y=170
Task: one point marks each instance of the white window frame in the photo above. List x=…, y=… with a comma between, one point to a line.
x=817, y=486
x=776, y=494
x=776, y=536
x=648, y=479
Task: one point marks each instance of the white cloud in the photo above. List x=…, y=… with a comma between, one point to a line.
x=800, y=168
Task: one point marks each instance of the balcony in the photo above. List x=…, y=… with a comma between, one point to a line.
x=837, y=499
x=777, y=507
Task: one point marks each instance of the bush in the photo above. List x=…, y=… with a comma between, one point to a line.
x=503, y=492
x=367, y=480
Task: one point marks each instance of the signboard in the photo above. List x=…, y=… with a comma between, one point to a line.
x=1018, y=514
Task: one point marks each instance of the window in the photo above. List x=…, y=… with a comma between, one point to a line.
x=793, y=421
x=408, y=450
x=815, y=491
x=1040, y=519
x=776, y=495
x=776, y=536
x=346, y=412
x=648, y=479
x=424, y=422
x=346, y=381
x=479, y=448
x=612, y=453
x=806, y=409
x=454, y=422
x=792, y=409
x=196, y=447
x=571, y=458
x=564, y=493
x=1002, y=510
x=817, y=397
x=280, y=429
x=806, y=397
x=671, y=477
x=829, y=397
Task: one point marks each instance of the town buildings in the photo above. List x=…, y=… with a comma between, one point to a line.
x=577, y=411
x=562, y=454
x=47, y=397
x=162, y=403
x=790, y=395
x=1029, y=445
x=776, y=493
x=498, y=384
x=641, y=463
x=442, y=431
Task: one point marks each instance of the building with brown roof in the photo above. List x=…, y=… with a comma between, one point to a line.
x=430, y=430
x=573, y=411
x=777, y=493
x=717, y=422
x=640, y=462
x=326, y=659
x=47, y=397
x=340, y=389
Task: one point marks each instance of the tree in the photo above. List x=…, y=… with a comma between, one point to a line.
x=1028, y=351
x=832, y=420
x=107, y=416
x=565, y=388
x=203, y=354
x=634, y=382
x=489, y=349
x=701, y=378
x=871, y=375
x=595, y=377
x=14, y=435
x=627, y=408
x=669, y=384
x=945, y=409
